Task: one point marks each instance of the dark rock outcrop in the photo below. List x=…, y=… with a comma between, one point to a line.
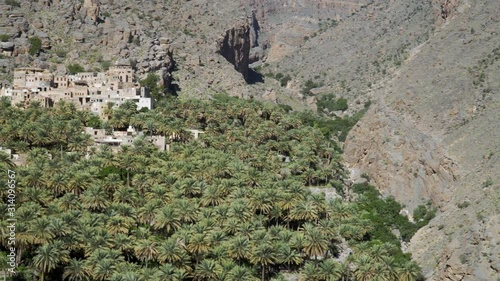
x=235, y=48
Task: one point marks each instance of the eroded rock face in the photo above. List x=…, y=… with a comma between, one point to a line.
x=447, y=7
x=432, y=116
x=234, y=46
x=401, y=161
x=91, y=10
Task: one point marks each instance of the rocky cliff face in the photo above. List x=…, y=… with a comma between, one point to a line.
x=403, y=162
x=234, y=46
x=436, y=116
x=152, y=36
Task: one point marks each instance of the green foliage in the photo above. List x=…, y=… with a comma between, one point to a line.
x=94, y=121
x=56, y=129
x=74, y=68
x=151, y=82
x=384, y=214
x=188, y=32
x=365, y=176
x=285, y=107
x=223, y=207
x=284, y=80
x=338, y=127
x=105, y=65
x=463, y=205
x=35, y=45
x=423, y=214
x=308, y=86
x=4, y=37
x=60, y=52
x=329, y=103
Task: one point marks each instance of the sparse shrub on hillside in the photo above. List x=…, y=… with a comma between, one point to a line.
x=105, y=65
x=137, y=41
x=4, y=37
x=60, y=52
x=284, y=80
x=365, y=176
x=308, y=86
x=74, y=68
x=35, y=45
x=188, y=32
x=285, y=107
x=423, y=214
x=329, y=103
x=133, y=63
x=487, y=183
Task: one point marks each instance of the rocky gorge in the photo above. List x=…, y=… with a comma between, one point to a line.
x=429, y=69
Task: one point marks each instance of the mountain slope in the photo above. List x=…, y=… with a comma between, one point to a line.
x=441, y=108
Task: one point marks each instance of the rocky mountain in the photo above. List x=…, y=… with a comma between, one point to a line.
x=430, y=69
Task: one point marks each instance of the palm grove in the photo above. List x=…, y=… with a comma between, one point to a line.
x=224, y=207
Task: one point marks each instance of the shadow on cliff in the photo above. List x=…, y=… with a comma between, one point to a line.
x=254, y=77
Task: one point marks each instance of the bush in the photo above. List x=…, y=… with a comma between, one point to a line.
x=331, y=104
x=487, y=183
x=61, y=53
x=151, y=83
x=74, y=68
x=306, y=89
x=35, y=45
x=4, y=37
x=285, y=107
x=365, y=176
x=423, y=214
x=105, y=65
x=284, y=80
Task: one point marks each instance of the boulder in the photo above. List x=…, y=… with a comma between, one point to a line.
x=7, y=46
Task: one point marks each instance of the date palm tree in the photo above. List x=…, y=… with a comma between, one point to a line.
x=207, y=269
x=76, y=270
x=329, y=270
x=168, y=219
x=146, y=250
x=95, y=198
x=239, y=248
x=409, y=271
x=263, y=255
x=241, y=273
x=288, y=256
x=6, y=161
x=315, y=242
x=49, y=256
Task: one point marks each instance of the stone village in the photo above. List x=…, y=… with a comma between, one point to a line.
x=89, y=91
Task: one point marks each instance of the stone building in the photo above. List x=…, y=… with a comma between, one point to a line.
x=87, y=90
